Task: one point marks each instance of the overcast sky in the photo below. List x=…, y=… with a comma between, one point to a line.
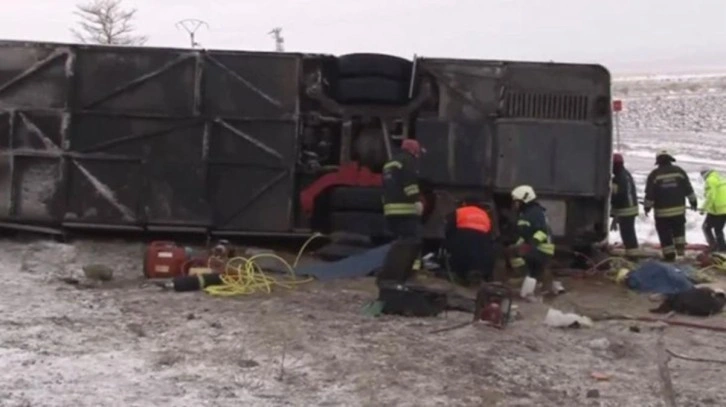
x=643, y=36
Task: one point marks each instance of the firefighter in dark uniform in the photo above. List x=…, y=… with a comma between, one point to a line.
x=468, y=240
x=534, y=247
x=624, y=205
x=666, y=191
x=402, y=206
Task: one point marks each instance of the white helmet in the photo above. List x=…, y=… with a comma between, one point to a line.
x=524, y=193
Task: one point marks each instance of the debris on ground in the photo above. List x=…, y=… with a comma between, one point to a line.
x=558, y=319
x=600, y=376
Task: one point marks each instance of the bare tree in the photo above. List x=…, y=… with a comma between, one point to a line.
x=106, y=22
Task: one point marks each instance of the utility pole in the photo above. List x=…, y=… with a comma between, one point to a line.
x=276, y=33
x=191, y=25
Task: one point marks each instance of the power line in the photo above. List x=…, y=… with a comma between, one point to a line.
x=191, y=25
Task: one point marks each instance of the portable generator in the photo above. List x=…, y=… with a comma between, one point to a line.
x=493, y=305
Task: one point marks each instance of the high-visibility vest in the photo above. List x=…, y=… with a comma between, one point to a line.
x=472, y=217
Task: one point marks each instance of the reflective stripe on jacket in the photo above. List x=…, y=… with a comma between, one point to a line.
x=666, y=190
x=400, y=185
x=624, y=196
x=533, y=228
x=473, y=217
x=714, y=194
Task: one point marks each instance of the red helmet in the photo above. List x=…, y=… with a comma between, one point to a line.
x=413, y=147
x=618, y=158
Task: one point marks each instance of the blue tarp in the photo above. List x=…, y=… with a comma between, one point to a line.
x=657, y=277
x=359, y=265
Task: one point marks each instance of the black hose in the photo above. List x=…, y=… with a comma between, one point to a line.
x=196, y=283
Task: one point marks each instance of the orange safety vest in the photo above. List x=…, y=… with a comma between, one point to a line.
x=475, y=218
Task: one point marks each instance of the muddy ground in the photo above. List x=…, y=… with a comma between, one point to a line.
x=127, y=343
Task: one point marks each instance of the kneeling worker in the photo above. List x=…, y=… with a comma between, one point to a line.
x=534, y=248
x=469, y=242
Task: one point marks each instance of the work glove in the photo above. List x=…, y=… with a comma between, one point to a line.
x=419, y=208
x=614, y=225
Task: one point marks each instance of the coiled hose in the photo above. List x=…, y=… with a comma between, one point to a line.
x=244, y=276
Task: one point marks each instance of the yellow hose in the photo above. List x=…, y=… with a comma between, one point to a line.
x=245, y=276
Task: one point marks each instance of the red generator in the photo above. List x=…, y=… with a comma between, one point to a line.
x=493, y=305
x=164, y=260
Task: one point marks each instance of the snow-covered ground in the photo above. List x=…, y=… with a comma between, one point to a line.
x=128, y=344
x=684, y=115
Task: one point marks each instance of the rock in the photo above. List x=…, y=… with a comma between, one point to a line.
x=70, y=280
x=137, y=329
x=167, y=359
x=593, y=394
x=247, y=363
x=599, y=344
x=98, y=272
x=634, y=328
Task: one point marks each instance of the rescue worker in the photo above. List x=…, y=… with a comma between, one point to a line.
x=534, y=248
x=624, y=205
x=666, y=190
x=714, y=206
x=468, y=240
x=402, y=206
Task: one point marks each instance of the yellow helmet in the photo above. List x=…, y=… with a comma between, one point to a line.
x=622, y=275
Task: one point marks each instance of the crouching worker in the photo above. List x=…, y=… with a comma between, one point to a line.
x=534, y=248
x=469, y=243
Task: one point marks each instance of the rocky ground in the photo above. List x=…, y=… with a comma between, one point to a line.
x=127, y=343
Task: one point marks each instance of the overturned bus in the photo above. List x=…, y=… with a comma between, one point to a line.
x=256, y=143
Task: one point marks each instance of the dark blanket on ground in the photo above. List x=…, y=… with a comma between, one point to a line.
x=700, y=302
